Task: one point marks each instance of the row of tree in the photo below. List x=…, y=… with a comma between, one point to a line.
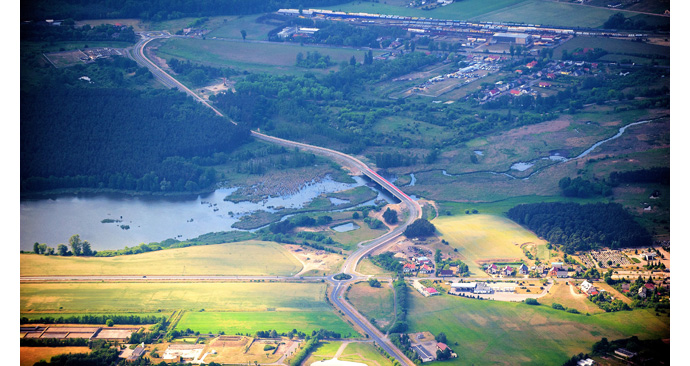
x=79, y=248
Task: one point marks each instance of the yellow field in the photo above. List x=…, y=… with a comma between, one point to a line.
x=560, y=293
x=485, y=238
x=241, y=258
x=30, y=355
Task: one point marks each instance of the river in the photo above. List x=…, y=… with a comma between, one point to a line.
x=150, y=219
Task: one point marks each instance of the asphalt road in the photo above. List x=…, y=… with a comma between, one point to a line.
x=336, y=296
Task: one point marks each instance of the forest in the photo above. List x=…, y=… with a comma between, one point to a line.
x=105, y=134
x=582, y=227
x=156, y=10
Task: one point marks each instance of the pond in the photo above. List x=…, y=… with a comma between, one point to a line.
x=343, y=228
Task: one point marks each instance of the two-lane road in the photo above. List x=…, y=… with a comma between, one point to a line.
x=349, y=267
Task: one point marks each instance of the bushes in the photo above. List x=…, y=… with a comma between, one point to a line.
x=420, y=228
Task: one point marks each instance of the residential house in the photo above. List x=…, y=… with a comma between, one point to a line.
x=531, y=64
x=409, y=268
x=446, y=273
x=494, y=92
x=423, y=260
x=588, y=288
x=642, y=292
x=426, y=269
x=543, y=84
x=507, y=271
x=492, y=269
x=137, y=353
x=431, y=291
x=515, y=92
x=523, y=270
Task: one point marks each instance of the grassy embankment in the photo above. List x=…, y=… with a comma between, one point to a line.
x=211, y=307
x=242, y=258
x=519, y=334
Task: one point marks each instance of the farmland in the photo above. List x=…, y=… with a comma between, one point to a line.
x=354, y=351
x=222, y=259
x=484, y=238
x=31, y=355
x=101, y=298
x=255, y=57
x=372, y=302
x=253, y=321
x=520, y=11
x=519, y=334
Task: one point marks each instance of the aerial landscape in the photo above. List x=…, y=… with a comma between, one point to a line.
x=345, y=183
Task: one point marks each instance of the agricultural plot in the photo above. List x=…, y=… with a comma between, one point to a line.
x=252, y=321
x=241, y=258
x=323, y=351
x=518, y=334
x=250, y=56
x=232, y=28
x=372, y=302
x=364, y=353
x=28, y=356
x=106, y=298
x=485, y=238
x=619, y=49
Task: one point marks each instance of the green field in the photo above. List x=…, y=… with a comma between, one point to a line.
x=377, y=303
x=542, y=12
x=484, y=237
x=112, y=297
x=251, y=322
x=354, y=351
x=255, y=57
x=496, y=332
x=241, y=258
x=619, y=47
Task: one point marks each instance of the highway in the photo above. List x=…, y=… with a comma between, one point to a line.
x=336, y=295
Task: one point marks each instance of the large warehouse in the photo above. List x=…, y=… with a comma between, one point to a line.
x=516, y=38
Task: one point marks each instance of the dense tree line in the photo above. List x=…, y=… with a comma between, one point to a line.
x=402, y=305
x=95, y=319
x=619, y=21
x=420, y=228
x=659, y=175
x=45, y=32
x=118, y=138
x=313, y=60
x=582, y=227
x=387, y=261
x=156, y=10
x=583, y=188
x=303, y=353
x=343, y=34
x=197, y=74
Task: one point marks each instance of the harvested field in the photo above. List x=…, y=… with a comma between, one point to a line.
x=28, y=356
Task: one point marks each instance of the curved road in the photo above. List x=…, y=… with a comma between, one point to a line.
x=350, y=265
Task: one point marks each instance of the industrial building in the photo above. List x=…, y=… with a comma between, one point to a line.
x=515, y=38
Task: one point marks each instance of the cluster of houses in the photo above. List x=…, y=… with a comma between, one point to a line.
x=507, y=271
x=557, y=269
x=418, y=265
x=542, y=78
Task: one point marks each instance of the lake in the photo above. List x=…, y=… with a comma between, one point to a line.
x=150, y=219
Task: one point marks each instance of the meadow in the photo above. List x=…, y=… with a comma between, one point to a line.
x=486, y=332
x=373, y=302
x=482, y=237
x=271, y=57
x=242, y=258
x=253, y=321
x=102, y=298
